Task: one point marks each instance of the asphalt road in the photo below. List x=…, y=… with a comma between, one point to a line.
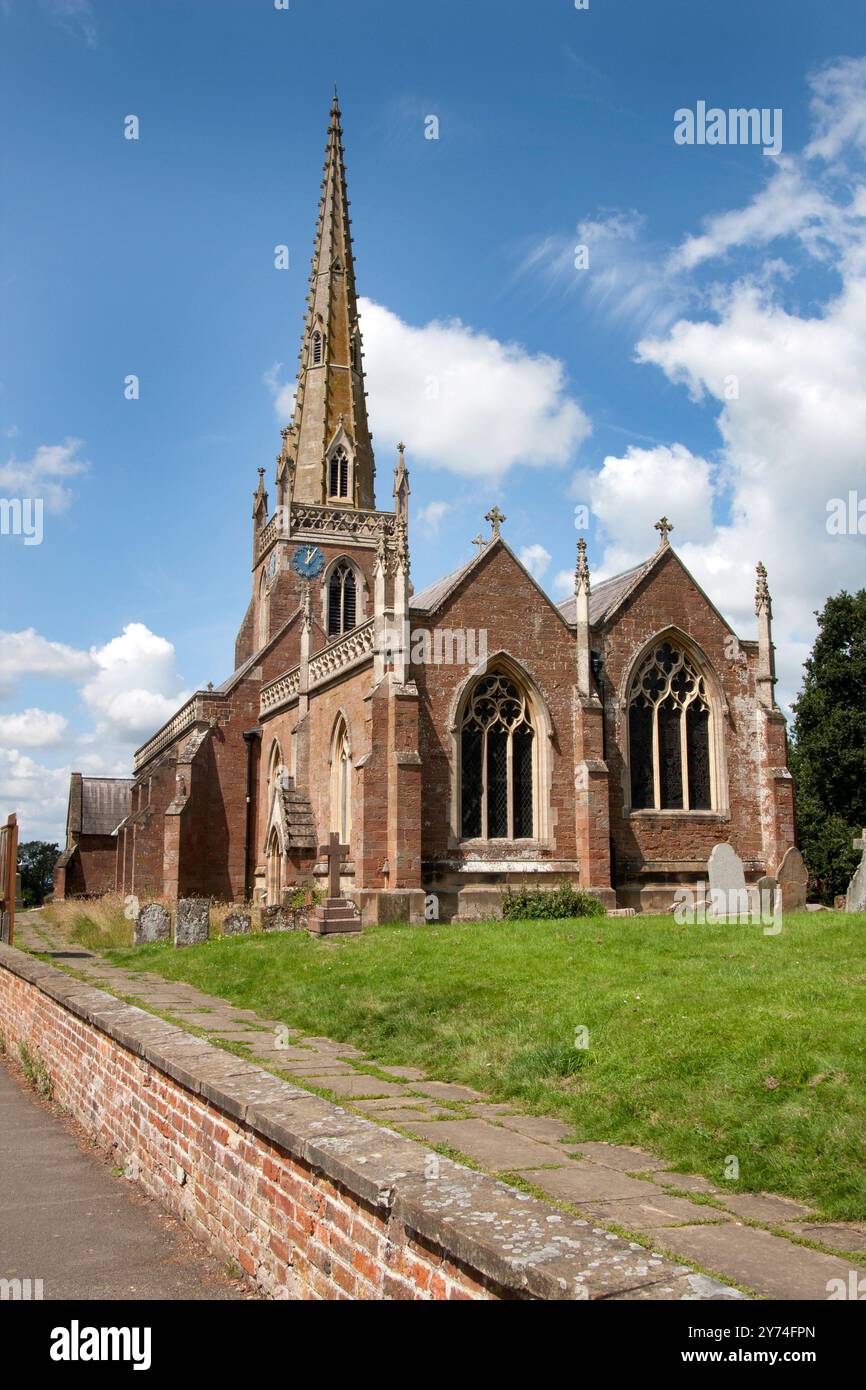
x=66, y=1219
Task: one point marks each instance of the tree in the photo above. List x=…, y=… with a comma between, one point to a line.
x=828, y=758
x=36, y=860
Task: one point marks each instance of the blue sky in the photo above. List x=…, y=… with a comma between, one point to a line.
x=553, y=386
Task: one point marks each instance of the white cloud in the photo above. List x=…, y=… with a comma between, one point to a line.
x=282, y=392
x=31, y=728
x=27, y=653
x=463, y=400
x=627, y=279
x=629, y=494
x=788, y=205
x=136, y=686
x=36, y=793
x=45, y=474
x=563, y=583
x=536, y=559
x=430, y=517
x=838, y=108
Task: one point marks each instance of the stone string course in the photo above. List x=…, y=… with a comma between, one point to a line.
x=311, y=1201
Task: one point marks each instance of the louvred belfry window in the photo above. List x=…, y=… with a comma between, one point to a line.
x=342, y=600
x=338, y=474
x=497, y=762
x=669, y=722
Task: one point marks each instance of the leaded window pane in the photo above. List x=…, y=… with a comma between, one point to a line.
x=670, y=758
x=640, y=728
x=698, y=744
x=497, y=784
x=522, y=777
x=471, y=755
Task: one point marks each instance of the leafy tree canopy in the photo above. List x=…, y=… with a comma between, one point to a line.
x=36, y=860
x=828, y=757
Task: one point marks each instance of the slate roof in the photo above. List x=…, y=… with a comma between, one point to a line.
x=428, y=598
x=607, y=595
x=104, y=804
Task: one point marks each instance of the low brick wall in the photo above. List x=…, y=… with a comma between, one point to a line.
x=311, y=1201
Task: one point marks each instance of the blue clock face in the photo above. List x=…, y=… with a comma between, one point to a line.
x=308, y=561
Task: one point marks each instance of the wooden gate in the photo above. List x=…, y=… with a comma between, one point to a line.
x=8, y=877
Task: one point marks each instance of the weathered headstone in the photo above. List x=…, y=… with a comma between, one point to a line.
x=237, y=924
x=193, y=921
x=728, y=895
x=793, y=881
x=153, y=923
x=277, y=918
x=766, y=891
x=855, y=898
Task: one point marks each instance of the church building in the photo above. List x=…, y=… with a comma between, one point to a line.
x=458, y=739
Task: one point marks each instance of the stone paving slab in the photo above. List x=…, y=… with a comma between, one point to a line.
x=501, y=1150
x=547, y=1131
x=769, y=1264
x=757, y=1206
x=686, y=1182
x=316, y=1067
x=840, y=1236
x=620, y=1156
x=357, y=1086
x=648, y=1213
x=405, y=1073
x=444, y=1090
x=588, y=1182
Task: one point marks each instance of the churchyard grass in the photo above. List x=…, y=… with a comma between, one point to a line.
x=705, y=1043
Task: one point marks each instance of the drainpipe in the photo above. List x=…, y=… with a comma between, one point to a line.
x=250, y=740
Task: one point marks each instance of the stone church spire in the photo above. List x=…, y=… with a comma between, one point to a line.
x=329, y=439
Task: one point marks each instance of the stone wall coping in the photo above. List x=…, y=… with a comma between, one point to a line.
x=525, y=1247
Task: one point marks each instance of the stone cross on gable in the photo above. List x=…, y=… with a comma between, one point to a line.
x=480, y=542
x=335, y=853
x=664, y=527
x=496, y=518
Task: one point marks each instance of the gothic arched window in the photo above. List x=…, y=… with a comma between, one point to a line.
x=670, y=734
x=317, y=352
x=338, y=474
x=264, y=606
x=342, y=599
x=497, y=762
x=341, y=783
x=275, y=869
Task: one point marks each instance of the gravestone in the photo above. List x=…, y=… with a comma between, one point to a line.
x=793, y=881
x=193, y=921
x=855, y=898
x=335, y=914
x=237, y=924
x=728, y=894
x=277, y=918
x=766, y=891
x=153, y=923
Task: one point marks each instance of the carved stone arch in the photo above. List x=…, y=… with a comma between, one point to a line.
x=318, y=343
x=362, y=593
x=540, y=721
x=701, y=687
x=341, y=780
x=263, y=613
x=340, y=467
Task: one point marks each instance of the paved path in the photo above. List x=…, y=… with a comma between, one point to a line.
x=750, y=1240
x=67, y=1220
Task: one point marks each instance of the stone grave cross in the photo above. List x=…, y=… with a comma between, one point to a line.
x=861, y=842
x=335, y=853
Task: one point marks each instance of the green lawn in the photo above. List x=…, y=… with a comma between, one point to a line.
x=704, y=1041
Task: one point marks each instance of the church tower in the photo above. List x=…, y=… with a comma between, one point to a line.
x=325, y=495
x=329, y=438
